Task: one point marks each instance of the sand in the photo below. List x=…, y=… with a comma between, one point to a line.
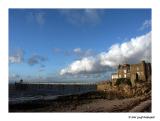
x=139, y=104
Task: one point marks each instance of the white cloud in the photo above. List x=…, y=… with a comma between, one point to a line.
x=77, y=50
x=146, y=24
x=17, y=57
x=131, y=52
x=138, y=48
x=84, y=65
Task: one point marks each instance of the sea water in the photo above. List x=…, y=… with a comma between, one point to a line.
x=46, y=92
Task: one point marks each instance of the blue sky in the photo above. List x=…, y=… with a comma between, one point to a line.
x=42, y=42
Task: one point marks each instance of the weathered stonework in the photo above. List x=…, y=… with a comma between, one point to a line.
x=104, y=86
x=140, y=71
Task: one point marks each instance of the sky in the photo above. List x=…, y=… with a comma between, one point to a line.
x=76, y=45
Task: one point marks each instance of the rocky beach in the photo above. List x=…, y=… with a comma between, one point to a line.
x=98, y=101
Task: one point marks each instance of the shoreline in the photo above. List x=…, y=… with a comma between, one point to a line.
x=87, y=102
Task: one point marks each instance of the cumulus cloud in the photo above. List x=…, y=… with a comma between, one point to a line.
x=36, y=59
x=17, y=57
x=138, y=48
x=146, y=24
x=86, y=64
x=82, y=16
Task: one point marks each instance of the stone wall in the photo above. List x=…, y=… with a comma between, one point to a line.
x=104, y=86
x=140, y=71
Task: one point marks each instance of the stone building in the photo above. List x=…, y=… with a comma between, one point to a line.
x=140, y=71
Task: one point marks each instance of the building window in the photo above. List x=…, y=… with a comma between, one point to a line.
x=114, y=76
x=125, y=71
x=124, y=75
x=137, y=68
